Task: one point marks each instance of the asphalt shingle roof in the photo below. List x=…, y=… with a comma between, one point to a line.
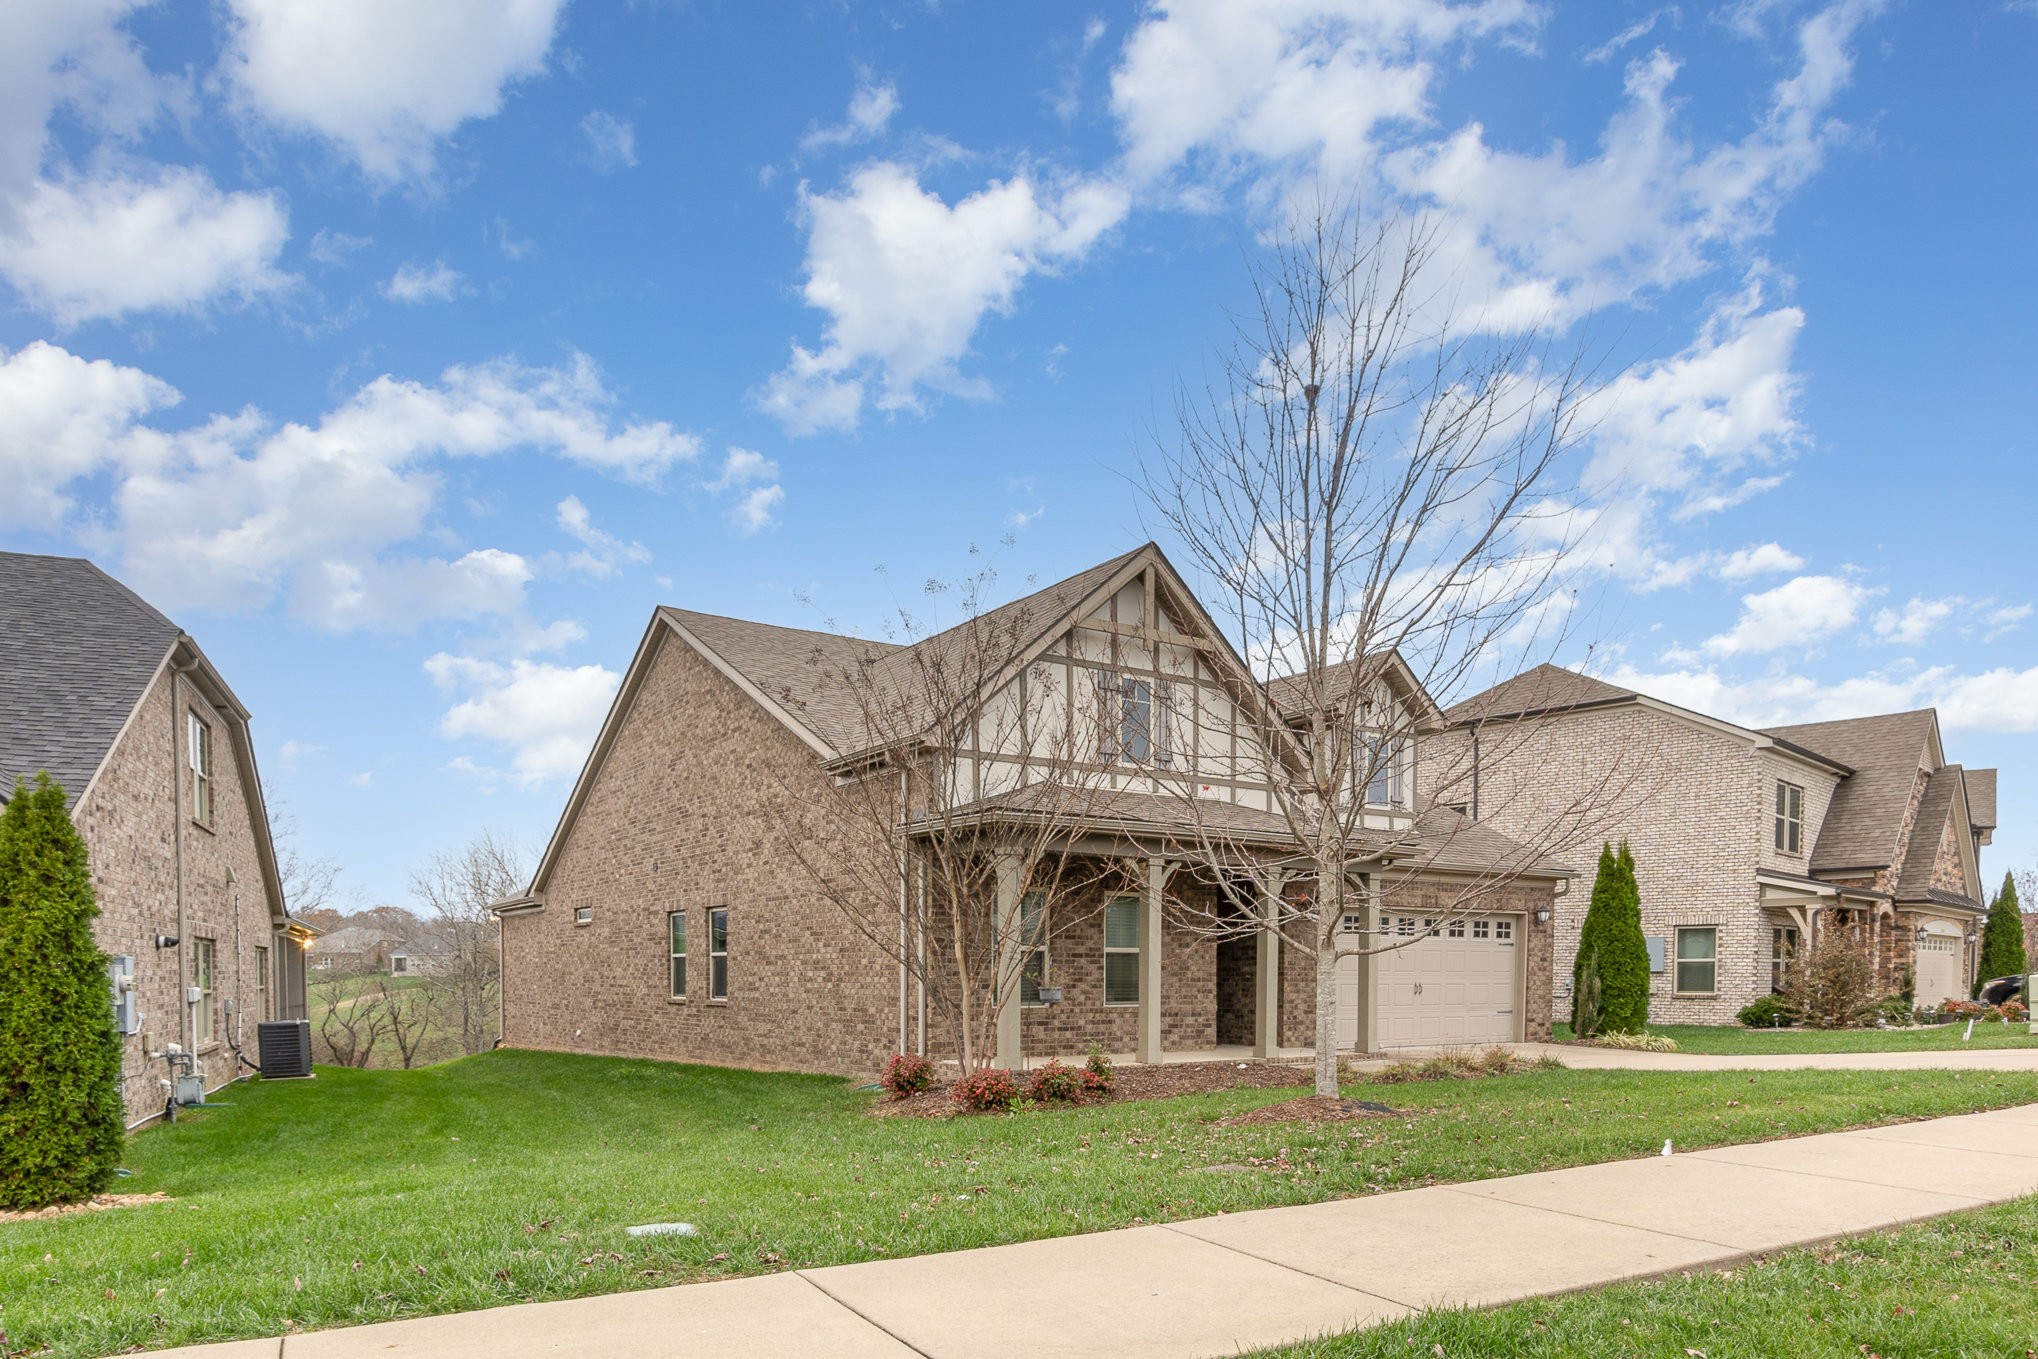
x=803, y=670
x=1887, y=753
x=1926, y=832
x=1542, y=689
x=1981, y=798
x=77, y=652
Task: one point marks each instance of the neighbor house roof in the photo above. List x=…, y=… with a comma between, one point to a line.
x=1866, y=816
x=77, y=651
x=1981, y=798
x=1546, y=688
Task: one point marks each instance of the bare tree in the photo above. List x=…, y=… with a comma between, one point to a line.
x=352, y=1015
x=410, y=1016
x=311, y=887
x=1373, y=486
x=463, y=973
x=948, y=832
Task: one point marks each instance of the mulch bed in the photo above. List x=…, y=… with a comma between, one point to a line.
x=1133, y=1082
x=97, y=1203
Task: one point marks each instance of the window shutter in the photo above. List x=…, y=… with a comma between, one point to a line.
x=1164, y=723
x=1108, y=716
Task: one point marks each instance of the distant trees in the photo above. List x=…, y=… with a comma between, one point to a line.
x=2002, y=939
x=1610, y=981
x=464, y=960
x=60, y=1110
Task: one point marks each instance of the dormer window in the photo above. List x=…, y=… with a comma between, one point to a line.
x=1133, y=720
x=1789, y=818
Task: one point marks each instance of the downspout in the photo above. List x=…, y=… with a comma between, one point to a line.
x=1475, y=773
x=188, y=1038
x=905, y=942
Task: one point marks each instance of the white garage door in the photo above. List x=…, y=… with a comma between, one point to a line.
x=1455, y=984
x=1939, y=969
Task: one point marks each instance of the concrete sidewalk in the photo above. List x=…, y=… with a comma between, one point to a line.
x=1216, y=1286
x=1587, y=1058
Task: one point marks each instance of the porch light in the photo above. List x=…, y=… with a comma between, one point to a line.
x=1542, y=915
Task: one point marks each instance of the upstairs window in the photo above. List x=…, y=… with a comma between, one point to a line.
x=198, y=749
x=1133, y=720
x=1382, y=766
x=1789, y=818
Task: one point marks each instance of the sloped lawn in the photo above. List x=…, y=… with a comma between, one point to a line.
x=1956, y=1286
x=1735, y=1041
x=368, y=1195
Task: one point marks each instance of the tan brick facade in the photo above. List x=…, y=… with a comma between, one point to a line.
x=681, y=818
x=133, y=831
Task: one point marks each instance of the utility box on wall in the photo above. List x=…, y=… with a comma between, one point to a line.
x=1659, y=952
x=127, y=1015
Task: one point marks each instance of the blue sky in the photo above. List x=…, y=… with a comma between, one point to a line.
x=408, y=355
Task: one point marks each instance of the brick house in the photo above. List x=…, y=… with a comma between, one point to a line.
x=1748, y=844
x=151, y=747
x=664, y=919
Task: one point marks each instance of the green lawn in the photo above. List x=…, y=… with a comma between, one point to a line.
x=1956, y=1286
x=367, y=1195
x=1735, y=1041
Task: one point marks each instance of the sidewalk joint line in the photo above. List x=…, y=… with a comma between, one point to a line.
x=1584, y=1217
x=1282, y=1264
x=1916, y=1142
x=857, y=1312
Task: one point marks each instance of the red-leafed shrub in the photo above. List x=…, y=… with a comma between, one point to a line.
x=2016, y=1012
x=1098, y=1074
x=1961, y=1009
x=907, y=1073
x=986, y=1090
x=1057, y=1084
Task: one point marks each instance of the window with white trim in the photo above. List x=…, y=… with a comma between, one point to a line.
x=1698, y=949
x=718, y=953
x=1121, y=951
x=1789, y=818
x=262, y=983
x=198, y=753
x=1482, y=929
x=1782, y=952
x=204, y=954
x=1383, y=762
x=1032, y=945
x=1457, y=929
x=1503, y=931
x=675, y=946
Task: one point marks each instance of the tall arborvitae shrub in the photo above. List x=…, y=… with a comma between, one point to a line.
x=60, y=1114
x=1624, y=957
x=1585, y=1015
x=2002, y=939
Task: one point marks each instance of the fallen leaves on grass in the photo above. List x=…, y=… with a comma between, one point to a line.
x=97, y=1203
x=1310, y=1109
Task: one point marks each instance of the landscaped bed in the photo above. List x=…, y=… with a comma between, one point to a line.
x=367, y=1195
x=1957, y=1285
x=1736, y=1041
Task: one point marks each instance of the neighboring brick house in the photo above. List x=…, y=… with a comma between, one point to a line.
x=152, y=749
x=1748, y=844
x=666, y=919
x=352, y=949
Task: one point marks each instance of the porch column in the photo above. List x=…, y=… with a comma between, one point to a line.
x=1149, y=1047
x=1366, y=901
x=1267, y=968
x=1005, y=921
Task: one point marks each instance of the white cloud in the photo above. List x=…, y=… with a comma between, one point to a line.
x=742, y=470
x=1223, y=87
x=1918, y=619
x=2000, y=700
x=870, y=112
x=600, y=552
x=1765, y=559
x=547, y=715
x=233, y=511
x=418, y=283
x=82, y=249
x=333, y=248
x=611, y=141
x=754, y=511
x=906, y=279
x=1798, y=613
x=1019, y=519
x=385, y=80
x=2004, y=619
